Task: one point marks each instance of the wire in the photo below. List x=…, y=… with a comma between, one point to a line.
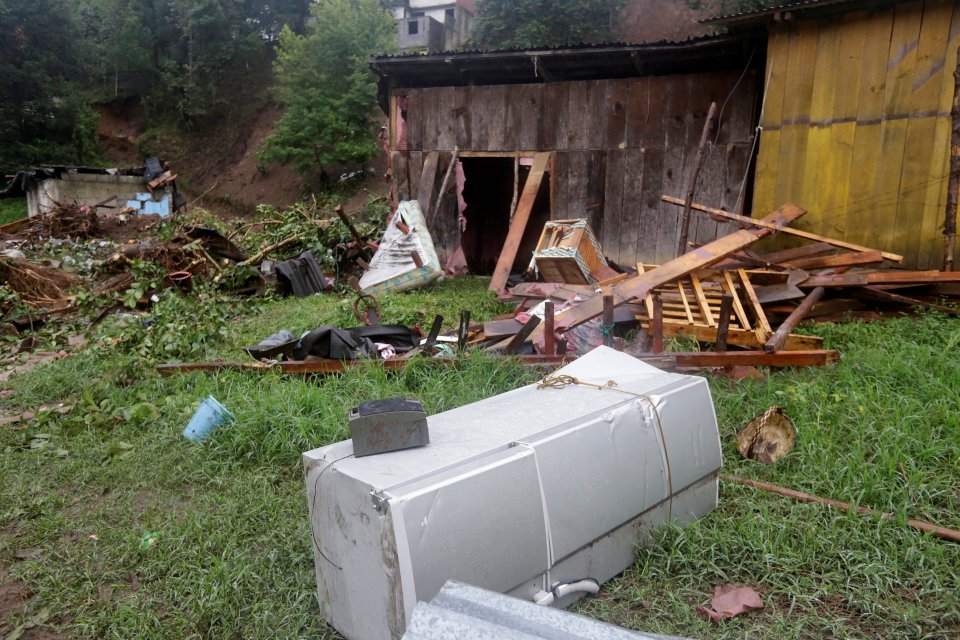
x=313, y=509
x=730, y=95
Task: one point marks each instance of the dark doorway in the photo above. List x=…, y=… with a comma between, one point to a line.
x=488, y=192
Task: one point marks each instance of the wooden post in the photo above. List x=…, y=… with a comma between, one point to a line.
x=656, y=324
x=953, y=186
x=549, y=338
x=723, y=324
x=521, y=336
x=607, y=320
x=434, y=332
x=777, y=340
x=451, y=170
x=692, y=185
x=464, y=331
x=353, y=230
x=519, y=223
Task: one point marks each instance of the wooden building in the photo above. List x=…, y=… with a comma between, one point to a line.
x=618, y=126
x=856, y=120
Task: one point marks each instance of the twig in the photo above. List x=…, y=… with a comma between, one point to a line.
x=926, y=527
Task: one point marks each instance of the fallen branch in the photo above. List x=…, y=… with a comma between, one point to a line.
x=926, y=527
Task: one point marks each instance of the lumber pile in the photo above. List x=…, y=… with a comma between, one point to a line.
x=743, y=305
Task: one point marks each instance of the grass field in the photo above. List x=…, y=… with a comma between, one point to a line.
x=113, y=526
x=12, y=209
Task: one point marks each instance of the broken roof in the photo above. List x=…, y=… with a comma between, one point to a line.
x=812, y=6
x=570, y=62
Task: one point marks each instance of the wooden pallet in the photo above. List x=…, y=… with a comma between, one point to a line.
x=691, y=307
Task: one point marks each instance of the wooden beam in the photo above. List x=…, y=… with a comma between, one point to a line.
x=864, y=278
x=549, y=336
x=777, y=340
x=607, y=320
x=709, y=359
x=428, y=177
x=688, y=360
x=640, y=285
x=887, y=296
x=842, y=260
x=445, y=185
x=737, y=337
x=521, y=336
x=692, y=186
x=806, y=251
x=792, y=232
x=723, y=326
x=519, y=223
x=656, y=324
x=754, y=303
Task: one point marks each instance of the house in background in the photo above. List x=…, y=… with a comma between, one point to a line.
x=432, y=25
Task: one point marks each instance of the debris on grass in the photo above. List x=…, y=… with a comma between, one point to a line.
x=730, y=601
x=208, y=417
x=768, y=437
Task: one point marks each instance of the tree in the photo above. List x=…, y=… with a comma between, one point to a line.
x=44, y=117
x=326, y=87
x=539, y=23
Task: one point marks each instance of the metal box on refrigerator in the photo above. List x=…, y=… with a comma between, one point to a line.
x=538, y=493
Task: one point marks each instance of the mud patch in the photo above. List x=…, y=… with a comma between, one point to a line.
x=15, y=612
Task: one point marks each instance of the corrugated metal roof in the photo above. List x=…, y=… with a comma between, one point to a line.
x=573, y=62
x=796, y=5
x=572, y=47
x=469, y=613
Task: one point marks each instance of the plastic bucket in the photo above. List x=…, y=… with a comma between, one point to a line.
x=208, y=416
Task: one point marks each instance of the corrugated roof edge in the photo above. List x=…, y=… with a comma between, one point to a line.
x=578, y=46
x=798, y=5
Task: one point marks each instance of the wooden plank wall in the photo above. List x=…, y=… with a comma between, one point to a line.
x=619, y=145
x=856, y=125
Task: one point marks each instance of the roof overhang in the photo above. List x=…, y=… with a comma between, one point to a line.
x=788, y=11
x=582, y=62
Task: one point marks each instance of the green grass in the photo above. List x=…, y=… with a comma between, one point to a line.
x=232, y=555
x=12, y=209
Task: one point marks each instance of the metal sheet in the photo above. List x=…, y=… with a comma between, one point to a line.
x=467, y=613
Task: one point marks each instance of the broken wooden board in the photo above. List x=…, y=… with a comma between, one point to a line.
x=841, y=260
x=642, y=284
x=864, y=278
x=519, y=222
x=793, y=232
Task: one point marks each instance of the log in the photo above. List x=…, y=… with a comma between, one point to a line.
x=777, y=340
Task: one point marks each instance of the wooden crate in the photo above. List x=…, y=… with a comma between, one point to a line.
x=568, y=252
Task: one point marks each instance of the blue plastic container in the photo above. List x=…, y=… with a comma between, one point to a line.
x=208, y=416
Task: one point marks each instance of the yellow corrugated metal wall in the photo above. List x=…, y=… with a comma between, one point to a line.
x=856, y=125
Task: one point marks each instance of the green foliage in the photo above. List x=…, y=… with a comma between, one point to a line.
x=327, y=90
x=12, y=209
x=180, y=327
x=538, y=23
x=44, y=117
